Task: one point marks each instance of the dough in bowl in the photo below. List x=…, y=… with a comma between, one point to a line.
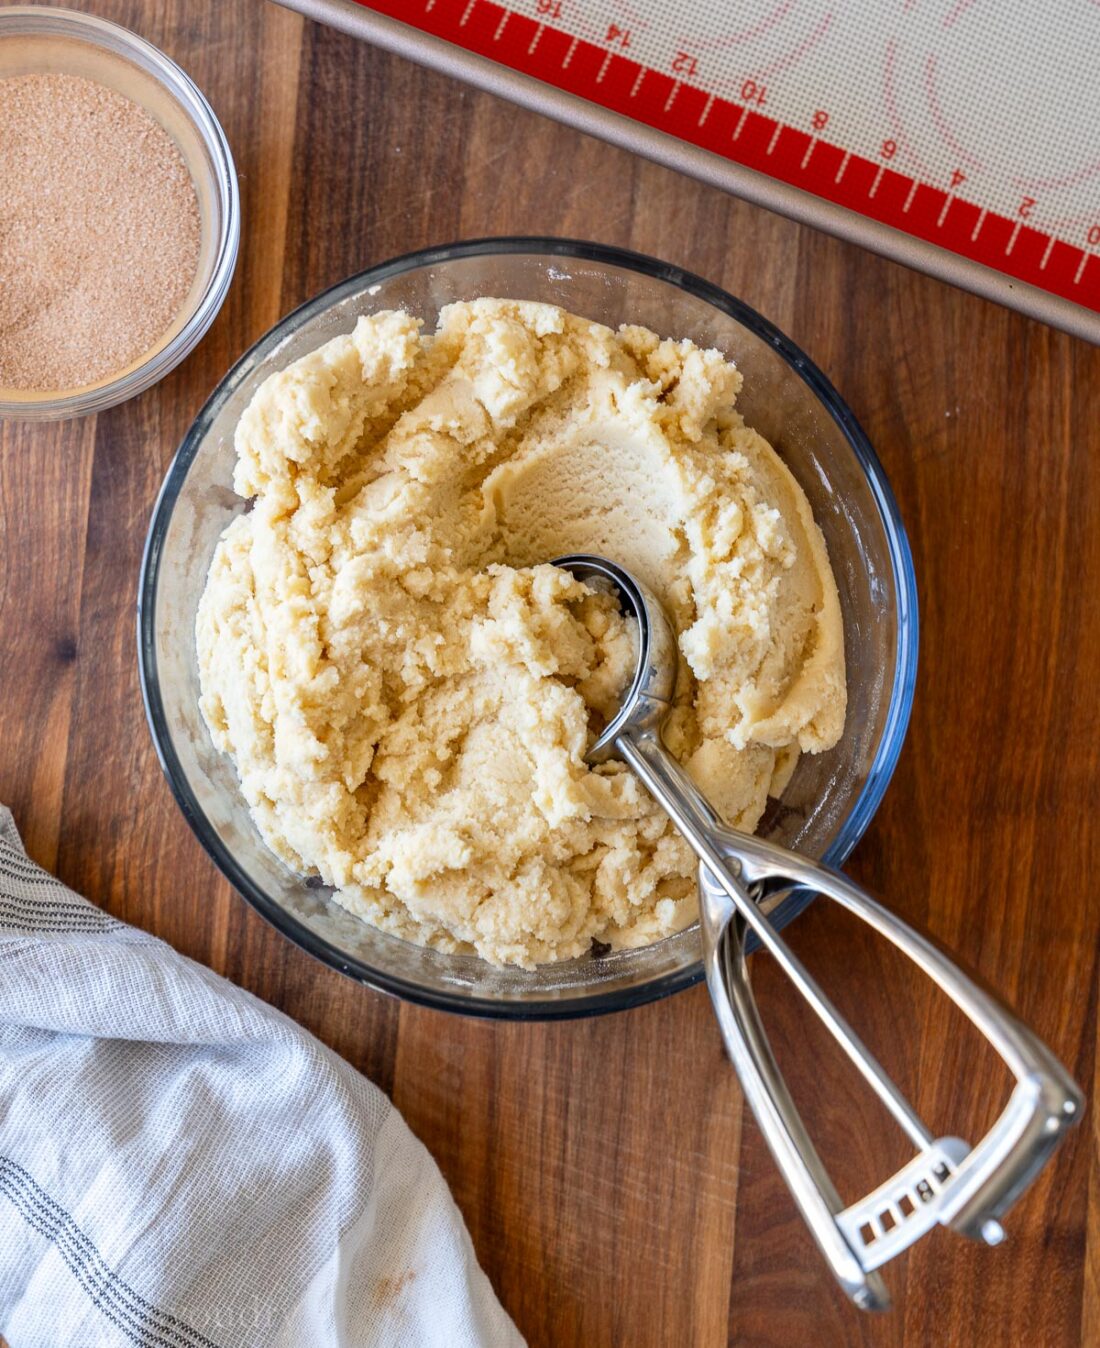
x=408, y=689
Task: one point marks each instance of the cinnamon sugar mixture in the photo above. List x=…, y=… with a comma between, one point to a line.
x=99, y=232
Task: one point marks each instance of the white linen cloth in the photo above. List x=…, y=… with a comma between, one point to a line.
x=181, y=1166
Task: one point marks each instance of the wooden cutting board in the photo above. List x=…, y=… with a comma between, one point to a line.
x=614, y=1191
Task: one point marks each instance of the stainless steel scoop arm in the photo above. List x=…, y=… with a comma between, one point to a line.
x=947, y=1182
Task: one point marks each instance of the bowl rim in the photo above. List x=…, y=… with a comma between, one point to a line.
x=900, y=698
x=74, y=25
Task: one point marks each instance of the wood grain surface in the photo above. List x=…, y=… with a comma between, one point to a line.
x=614, y=1190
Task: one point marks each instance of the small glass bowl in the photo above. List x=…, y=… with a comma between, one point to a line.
x=37, y=39
x=831, y=797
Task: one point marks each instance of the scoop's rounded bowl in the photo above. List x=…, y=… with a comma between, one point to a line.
x=831, y=797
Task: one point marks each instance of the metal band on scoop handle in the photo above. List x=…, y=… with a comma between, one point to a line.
x=946, y=1183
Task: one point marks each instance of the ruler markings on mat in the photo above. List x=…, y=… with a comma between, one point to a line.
x=970, y=125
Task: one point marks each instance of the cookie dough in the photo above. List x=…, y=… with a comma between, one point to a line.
x=408, y=689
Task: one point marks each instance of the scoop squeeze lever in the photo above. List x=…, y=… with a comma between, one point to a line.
x=947, y=1182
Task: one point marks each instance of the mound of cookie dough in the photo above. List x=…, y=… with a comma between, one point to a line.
x=408, y=689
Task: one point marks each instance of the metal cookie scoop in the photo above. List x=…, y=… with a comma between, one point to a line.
x=947, y=1182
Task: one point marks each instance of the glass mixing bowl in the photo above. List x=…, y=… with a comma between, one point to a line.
x=831, y=797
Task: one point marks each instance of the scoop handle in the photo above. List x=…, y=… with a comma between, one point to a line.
x=946, y=1182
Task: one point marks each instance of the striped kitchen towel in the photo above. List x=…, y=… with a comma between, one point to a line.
x=181, y=1166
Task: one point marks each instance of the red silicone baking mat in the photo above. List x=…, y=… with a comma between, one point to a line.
x=961, y=136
